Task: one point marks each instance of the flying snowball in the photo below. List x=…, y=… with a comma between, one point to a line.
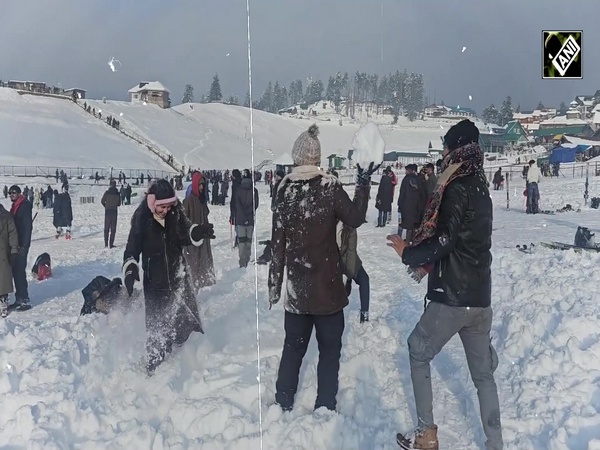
x=368, y=145
x=145, y=103
x=463, y=50
x=227, y=54
x=121, y=114
x=470, y=98
x=441, y=127
x=112, y=63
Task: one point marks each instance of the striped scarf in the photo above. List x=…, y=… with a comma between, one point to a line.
x=464, y=161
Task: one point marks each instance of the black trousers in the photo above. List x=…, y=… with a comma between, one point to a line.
x=298, y=329
x=20, y=277
x=110, y=226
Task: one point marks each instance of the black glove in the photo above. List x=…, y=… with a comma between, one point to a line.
x=14, y=258
x=364, y=176
x=131, y=276
x=204, y=231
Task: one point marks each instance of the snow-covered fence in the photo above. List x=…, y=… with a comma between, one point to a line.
x=80, y=172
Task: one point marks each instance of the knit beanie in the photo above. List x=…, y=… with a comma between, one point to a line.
x=162, y=190
x=307, y=148
x=15, y=188
x=463, y=133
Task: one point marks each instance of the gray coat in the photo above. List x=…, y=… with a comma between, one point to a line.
x=347, y=239
x=9, y=244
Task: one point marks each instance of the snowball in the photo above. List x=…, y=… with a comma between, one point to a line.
x=227, y=54
x=463, y=50
x=470, y=98
x=145, y=103
x=368, y=145
x=121, y=114
x=112, y=65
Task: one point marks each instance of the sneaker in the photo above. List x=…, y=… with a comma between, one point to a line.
x=68, y=237
x=3, y=306
x=419, y=439
x=364, y=316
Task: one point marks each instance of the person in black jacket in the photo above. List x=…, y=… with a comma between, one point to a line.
x=411, y=202
x=452, y=246
x=159, y=233
x=111, y=200
x=385, y=197
x=21, y=211
x=63, y=213
x=246, y=203
x=236, y=180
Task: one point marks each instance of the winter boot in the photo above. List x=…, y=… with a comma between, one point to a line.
x=58, y=233
x=3, y=306
x=68, y=236
x=364, y=316
x=419, y=439
x=23, y=305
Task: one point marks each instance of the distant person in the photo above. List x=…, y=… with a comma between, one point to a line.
x=534, y=177
x=111, y=200
x=63, y=213
x=246, y=203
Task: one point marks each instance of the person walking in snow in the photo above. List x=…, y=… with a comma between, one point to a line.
x=430, y=179
x=498, y=179
x=224, y=191
x=159, y=232
x=308, y=207
x=385, y=197
x=534, y=177
x=411, y=202
x=5, y=191
x=9, y=254
x=111, y=200
x=246, y=203
x=49, y=197
x=199, y=258
x=452, y=246
x=21, y=211
x=36, y=198
x=63, y=213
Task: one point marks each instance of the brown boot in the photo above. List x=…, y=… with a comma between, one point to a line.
x=419, y=439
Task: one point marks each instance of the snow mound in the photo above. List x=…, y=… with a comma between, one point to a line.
x=368, y=145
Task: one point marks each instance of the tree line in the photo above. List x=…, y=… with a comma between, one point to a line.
x=402, y=92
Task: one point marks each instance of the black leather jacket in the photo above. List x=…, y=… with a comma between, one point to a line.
x=460, y=250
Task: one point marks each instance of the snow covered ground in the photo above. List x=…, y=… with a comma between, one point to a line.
x=78, y=382
x=43, y=131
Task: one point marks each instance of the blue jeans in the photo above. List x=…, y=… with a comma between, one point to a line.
x=533, y=194
x=362, y=279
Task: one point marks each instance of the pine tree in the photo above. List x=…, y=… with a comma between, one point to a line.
x=540, y=106
x=188, y=95
x=266, y=102
x=506, y=112
x=233, y=100
x=518, y=111
x=215, y=90
x=296, y=92
x=562, y=110
x=330, y=92
x=278, y=101
x=247, y=101
x=490, y=115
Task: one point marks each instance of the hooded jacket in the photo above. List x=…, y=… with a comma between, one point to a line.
x=246, y=203
x=111, y=199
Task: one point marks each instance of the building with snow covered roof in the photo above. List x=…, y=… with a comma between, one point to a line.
x=151, y=92
x=79, y=93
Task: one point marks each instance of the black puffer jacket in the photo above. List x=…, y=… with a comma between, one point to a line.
x=460, y=249
x=245, y=205
x=63, y=212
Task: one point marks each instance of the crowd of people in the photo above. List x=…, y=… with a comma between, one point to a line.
x=447, y=217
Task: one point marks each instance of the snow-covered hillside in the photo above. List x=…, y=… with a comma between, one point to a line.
x=218, y=136
x=78, y=382
x=43, y=131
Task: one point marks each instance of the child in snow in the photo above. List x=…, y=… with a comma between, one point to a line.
x=159, y=233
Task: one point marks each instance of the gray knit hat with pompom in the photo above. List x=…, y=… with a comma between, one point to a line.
x=307, y=148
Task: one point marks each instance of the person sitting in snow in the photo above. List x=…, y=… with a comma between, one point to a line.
x=452, y=247
x=159, y=232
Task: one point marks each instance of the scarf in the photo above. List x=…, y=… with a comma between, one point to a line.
x=15, y=206
x=464, y=161
x=303, y=173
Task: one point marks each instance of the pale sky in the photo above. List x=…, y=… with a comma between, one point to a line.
x=186, y=41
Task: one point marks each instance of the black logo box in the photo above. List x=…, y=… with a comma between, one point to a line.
x=562, y=54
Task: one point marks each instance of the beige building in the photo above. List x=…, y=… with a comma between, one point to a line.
x=151, y=92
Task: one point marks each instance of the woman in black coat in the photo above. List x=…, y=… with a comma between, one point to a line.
x=159, y=232
x=385, y=197
x=62, y=213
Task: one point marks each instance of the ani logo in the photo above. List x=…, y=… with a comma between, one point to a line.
x=563, y=54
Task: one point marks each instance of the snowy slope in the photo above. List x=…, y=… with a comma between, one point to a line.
x=218, y=136
x=78, y=382
x=42, y=131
